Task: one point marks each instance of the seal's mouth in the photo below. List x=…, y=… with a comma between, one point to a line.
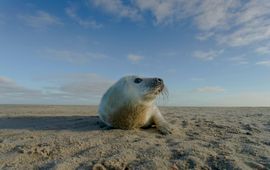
x=156, y=87
x=160, y=88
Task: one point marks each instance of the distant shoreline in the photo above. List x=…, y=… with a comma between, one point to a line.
x=171, y=106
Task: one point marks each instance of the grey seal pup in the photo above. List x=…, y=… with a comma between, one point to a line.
x=130, y=104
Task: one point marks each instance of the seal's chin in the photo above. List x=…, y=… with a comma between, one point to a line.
x=154, y=91
x=159, y=89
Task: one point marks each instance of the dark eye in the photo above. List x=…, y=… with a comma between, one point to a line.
x=137, y=80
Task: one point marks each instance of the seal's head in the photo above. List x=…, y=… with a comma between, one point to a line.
x=132, y=90
x=126, y=103
x=139, y=89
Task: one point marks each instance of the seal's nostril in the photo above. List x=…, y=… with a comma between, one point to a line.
x=158, y=80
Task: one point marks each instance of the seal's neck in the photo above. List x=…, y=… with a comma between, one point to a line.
x=144, y=103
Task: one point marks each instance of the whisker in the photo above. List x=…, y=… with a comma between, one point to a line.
x=165, y=93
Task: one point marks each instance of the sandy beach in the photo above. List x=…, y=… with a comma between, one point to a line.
x=71, y=137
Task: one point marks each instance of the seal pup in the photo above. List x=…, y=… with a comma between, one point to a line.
x=130, y=104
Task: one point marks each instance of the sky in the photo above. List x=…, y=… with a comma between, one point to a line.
x=208, y=52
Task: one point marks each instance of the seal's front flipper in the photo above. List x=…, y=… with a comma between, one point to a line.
x=164, y=127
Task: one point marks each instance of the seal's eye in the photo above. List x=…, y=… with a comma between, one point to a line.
x=138, y=80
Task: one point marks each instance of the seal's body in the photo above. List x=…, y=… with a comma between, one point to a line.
x=130, y=104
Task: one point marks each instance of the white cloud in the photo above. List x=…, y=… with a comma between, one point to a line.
x=248, y=33
x=207, y=55
x=5, y=80
x=231, y=22
x=264, y=49
x=134, y=58
x=86, y=23
x=168, y=11
x=80, y=85
x=40, y=19
x=80, y=88
x=161, y=10
x=117, y=8
x=239, y=60
x=87, y=88
x=10, y=89
x=264, y=63
x=76, y=88
x=73, y=57
x=209, y=89
x=205, y=35
x=213, y=14
x=235, y=22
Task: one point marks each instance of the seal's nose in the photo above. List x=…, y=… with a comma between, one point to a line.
x=158, y=81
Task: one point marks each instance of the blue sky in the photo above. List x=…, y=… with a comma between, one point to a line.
x=209, y=53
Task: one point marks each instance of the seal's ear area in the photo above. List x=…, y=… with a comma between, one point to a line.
x=113, y=96
x=119, y=87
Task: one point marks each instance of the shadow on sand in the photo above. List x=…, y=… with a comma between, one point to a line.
x=73, y=123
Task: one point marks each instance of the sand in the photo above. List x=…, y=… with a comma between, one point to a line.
x=71, y=137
